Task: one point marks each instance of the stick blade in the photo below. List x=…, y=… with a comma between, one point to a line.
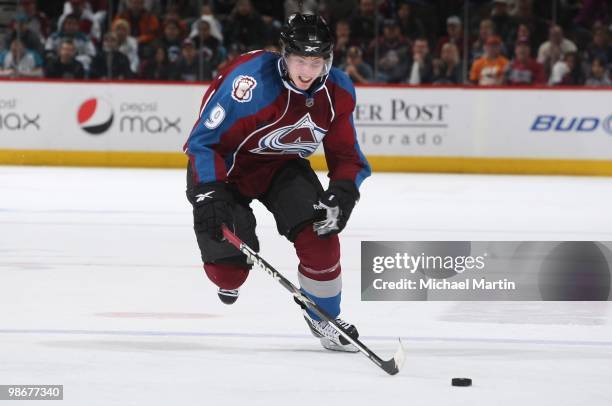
x=394, y=365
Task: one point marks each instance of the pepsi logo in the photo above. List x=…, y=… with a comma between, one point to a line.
x=95, y=116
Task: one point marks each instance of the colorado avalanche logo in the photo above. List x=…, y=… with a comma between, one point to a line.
x=242, y=88
x=301, y=138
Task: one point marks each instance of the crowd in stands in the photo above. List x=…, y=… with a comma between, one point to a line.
x=503, y=42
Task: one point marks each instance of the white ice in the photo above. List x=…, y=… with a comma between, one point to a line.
x=101, y=290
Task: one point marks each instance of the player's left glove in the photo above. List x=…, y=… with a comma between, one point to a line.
x=212, y=207
x=335, y=207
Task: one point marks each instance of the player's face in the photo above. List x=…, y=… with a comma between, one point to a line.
x=303, y=70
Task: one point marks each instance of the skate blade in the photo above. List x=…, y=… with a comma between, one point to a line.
x=332, y=346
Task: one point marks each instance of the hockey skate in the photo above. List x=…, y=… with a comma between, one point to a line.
x=330, y=338
x=228, y=296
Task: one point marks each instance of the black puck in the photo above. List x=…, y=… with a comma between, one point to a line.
x=461, y=382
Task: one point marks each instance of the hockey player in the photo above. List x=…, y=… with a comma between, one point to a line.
x=259, y=120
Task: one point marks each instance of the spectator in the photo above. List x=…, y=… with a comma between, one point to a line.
x=566, y=72
x=393, y=54
x=598, y=76
x=66, y=66
x=273, y=48
x=251, y=22
x=342, y=43
x=143, y=23
x=206, y=14
x=233, y=52
x=173, y=15
x=181, y=8
x=207, y=45
x=223, y=8
x=522, y=33
x=454, y=35
x=272, y=11
x=447, y=70
x=599, y=47
x=489, y=69
x=20, y=62
x=128, y=45
x=339, y=10
x=358, y=70
x=523, y=15
x=363, y=23
x=88, y=22
x=158, y=67
x=273, y=17
x=85, y=49
x=110, y=58
x=593, y=11
x=35, y=20
x=421, y=69
x=97, y=7
x=486, y=30
x=524, y=70
x=297, y=6
x=171, y=40
x=501, y=19
x=412, y=28
x=19, y=29
x=152, y=6
x=188, y=68
x=245, y=27
x=555, y=48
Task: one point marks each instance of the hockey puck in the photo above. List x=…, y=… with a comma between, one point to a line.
x=461, y=382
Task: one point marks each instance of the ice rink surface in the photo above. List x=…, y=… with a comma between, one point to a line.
x=101, y=290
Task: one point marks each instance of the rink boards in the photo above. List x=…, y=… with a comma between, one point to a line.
x=425, y=129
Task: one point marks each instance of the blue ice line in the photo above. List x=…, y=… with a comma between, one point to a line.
x=152, y=333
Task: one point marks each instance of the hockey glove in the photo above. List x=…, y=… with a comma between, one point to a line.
x=335, y=207
x=212, y=207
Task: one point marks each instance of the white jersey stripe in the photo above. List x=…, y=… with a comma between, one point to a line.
x=322, y=289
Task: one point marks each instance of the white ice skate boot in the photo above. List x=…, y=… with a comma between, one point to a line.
x=330, y=338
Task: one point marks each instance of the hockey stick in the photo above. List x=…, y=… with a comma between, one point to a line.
x=391, y=366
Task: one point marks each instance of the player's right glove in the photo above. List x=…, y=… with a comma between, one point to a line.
x=335, y=207
x=212, y=207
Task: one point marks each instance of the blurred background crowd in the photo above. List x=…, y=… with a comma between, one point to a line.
x=500, y=42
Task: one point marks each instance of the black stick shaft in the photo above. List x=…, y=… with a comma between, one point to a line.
x=388, y=366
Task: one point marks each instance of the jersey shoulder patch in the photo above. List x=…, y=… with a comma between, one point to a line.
x=242, y=88
x=251, y=79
